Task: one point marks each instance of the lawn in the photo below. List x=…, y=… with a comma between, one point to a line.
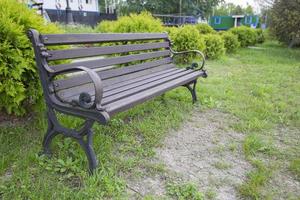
x=259, y=86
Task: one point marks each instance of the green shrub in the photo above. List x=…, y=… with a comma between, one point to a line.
x=170, y=30
x=133, y=23
x=106, y=26
x=19, y=82
x=260, y=36
x=78, y=28
x=205, y=28
x=214, y=46
x=231, y=42
x=246, y=35
x=187, y=38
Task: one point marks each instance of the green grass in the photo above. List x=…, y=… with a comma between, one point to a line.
x=184, y=191
x=260, y=87
x=295, y=167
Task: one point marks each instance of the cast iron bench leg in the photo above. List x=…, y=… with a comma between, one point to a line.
x=83, y=137
x=192, y=90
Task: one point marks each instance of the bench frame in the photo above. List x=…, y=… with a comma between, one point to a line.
x=84, y=134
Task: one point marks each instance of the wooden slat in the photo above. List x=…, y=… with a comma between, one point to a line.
x=92, y=64
x=137, y=87
x=83, y=79
x=144, y=87
x=129, y=83
x=148, y=81
x=106, y=50
x=130, y=101
x=64, y=39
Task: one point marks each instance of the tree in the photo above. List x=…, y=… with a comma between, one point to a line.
x=248, y=10
x=231, y=9
x=285, y=23
x=188, y=7
x=265, y=4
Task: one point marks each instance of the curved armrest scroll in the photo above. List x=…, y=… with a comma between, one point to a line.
x=175, y=53
x=85, y=98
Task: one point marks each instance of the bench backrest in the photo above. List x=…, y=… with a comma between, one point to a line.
x=138, y=51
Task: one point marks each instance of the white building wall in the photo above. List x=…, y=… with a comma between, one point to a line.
x=76, y=5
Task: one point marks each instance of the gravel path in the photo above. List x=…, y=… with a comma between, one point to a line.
x=204, y=151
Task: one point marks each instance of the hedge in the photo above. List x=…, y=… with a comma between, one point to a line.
x=19, y=82
x=214, y=46
x=246, y=35
x=133, y=23
x=231, y=42
x=186, y=38
x=205, y=28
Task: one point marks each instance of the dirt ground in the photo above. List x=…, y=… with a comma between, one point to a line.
x=204, y=151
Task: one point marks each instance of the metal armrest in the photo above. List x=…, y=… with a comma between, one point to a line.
x=175, y=53
x=84, y=98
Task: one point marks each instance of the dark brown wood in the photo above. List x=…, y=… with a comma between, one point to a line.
x=99, y=63
x=63, y=39
x=84, y=79
x=105, y=50
x=130, y=101
x=111, y=96
x=125, y=82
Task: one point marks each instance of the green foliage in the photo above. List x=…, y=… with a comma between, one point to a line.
x=256, y=180
x=186, y=191
x=246, y=35
x=187, y=38
x=205, y=28
x=254, y=144
x=295, y=167
x=232, y=9
x=231, y=42
x=214, y=46
x=78, y=28
x=260, y=36
x=134, y=23
x=285, y=23
x=106, y=26
x=19, y=82
x=167, y=6
x=134, y=135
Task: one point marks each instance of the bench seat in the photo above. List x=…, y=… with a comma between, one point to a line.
x=121, y=94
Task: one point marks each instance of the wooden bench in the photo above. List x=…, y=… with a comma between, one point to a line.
x=119, y=72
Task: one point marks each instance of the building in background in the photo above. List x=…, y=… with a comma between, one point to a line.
x=226, y=22
x=83, y=11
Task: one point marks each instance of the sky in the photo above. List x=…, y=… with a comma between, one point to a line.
x=244, y=3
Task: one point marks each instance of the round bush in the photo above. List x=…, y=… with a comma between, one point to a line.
x=260, y=37
x=106, y=27
x=231, y=42
x=19, y=82
x=134, y=23
x=214, y=46
x=205, y=28
x=246, y=35
x=187, y=38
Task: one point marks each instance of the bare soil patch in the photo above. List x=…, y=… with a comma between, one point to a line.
x=204, y=151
